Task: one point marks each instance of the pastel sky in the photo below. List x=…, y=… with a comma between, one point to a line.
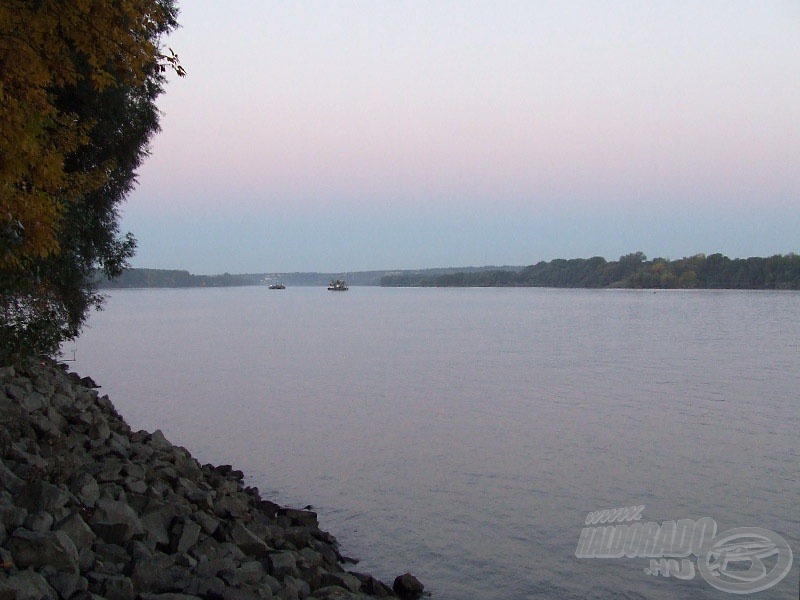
x=353, y=135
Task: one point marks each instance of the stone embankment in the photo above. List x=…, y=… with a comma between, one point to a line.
x=90, y=509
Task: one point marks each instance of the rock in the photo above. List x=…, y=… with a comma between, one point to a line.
x=372, y=586
x=157, y=440
x=209, y=523
x=134, y=470
x=38, y=521
x=38, y=549
x=9, y=481
x=12, y=516
x=327, y=552
x=56, y=418
x=310, y=557
x=77, y=529
x=26, y=585
x=201, y=498
x=296, y=588
x=119, y=445
x=248, y=542
x=332, y=592
x=205, y=588
x=111, y=554
x=44, y=427
x=159, y=576
x=251, y=572
x=230, y=507
x=87, y=382
x=135, y=486
x=86, y=559
x=215, y=567
x=65, y=584
x=139, y=550
x=282, y=564
x=183, y=535
x=115, y=587
x=270, y=509
x=344, y=580
x=32, y=402
x=85, y=488
x=156, y=520
x=115, y=521
x=299, y=517
x=61, y=401
x=41, y=496
x=407, y=586
x=111, y=471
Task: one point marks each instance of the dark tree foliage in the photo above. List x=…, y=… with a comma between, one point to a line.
x=48, y=301
x=632, y=271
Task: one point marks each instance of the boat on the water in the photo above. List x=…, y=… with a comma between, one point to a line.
x=337, y=285
x=277, y=286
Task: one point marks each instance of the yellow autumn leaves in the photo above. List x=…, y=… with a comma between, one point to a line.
x=45, y=46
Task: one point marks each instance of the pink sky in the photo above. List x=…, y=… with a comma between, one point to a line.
x=368, y=114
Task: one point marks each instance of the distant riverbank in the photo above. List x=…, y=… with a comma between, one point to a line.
x=171, y=278
x=779, y=272
x=715, y=271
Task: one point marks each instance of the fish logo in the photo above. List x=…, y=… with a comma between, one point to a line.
x=734, y=562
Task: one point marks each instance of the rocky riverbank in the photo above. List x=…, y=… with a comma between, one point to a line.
x=90, y=509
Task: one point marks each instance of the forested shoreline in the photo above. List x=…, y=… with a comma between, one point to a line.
x=172, y=278
x=715, y=271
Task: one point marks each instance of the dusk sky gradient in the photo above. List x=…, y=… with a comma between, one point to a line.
x=340, y=135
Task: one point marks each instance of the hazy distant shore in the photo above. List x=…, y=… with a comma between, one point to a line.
x=778, y=272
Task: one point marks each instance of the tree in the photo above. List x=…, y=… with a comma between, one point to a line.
x=78, y=89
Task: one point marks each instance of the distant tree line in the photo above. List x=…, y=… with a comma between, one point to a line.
x=779, y=272
x=145, y=278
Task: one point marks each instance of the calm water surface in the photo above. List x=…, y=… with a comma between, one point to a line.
x=464, y=434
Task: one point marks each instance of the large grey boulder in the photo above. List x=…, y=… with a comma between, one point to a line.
x=115, y=521
x=183, y=535
x=282, y=564
x=248, y=542
x=77, y=529
x=38, y=549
